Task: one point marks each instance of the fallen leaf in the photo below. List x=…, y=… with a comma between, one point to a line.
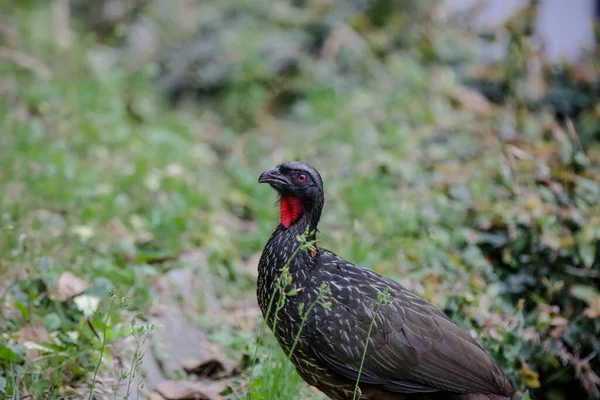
x=32, y=334
x=67, y=286
x=200, y=390
x=210, y=368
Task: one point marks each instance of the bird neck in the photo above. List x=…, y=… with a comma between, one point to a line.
x=283, y=246
x=305, y=226
x=298, y=211
x=283, y=250
x=309, y=222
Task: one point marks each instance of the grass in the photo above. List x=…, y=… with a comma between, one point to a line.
x=282, y=283
x=100, y=178
x=383, y=299
x=102, y=349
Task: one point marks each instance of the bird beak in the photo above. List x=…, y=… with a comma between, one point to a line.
x=272, y=176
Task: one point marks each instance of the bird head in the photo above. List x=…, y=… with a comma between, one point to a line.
x=300, y=188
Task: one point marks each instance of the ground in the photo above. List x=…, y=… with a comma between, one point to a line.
x=133, y=228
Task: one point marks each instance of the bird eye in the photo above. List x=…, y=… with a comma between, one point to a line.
x=301, y=178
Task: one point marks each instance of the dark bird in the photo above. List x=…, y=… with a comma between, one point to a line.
x=414, y=351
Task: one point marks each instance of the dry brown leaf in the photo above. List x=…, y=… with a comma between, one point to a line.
x=33, y=333
x=67, y=286
x=200, y=390
x=210, y=368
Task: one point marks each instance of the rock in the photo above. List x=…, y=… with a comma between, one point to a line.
x=181, y=285
x=185, y=279
x=175, y=339
x=201, y=390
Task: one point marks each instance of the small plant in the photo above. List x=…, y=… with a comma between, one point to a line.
x=140, y=333
x=277, y=300
x=112, y=299
x=383, y=299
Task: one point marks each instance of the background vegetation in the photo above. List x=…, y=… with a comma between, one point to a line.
x=130, y=148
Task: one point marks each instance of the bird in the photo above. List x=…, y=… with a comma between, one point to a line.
x=350, y=332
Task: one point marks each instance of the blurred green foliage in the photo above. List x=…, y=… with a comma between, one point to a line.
x=486, y=205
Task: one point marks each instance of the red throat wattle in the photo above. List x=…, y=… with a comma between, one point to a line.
x=290, y=210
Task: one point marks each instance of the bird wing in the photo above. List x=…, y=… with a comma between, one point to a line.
x=413, y=347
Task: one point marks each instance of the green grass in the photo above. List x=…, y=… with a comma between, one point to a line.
x=100, y=178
